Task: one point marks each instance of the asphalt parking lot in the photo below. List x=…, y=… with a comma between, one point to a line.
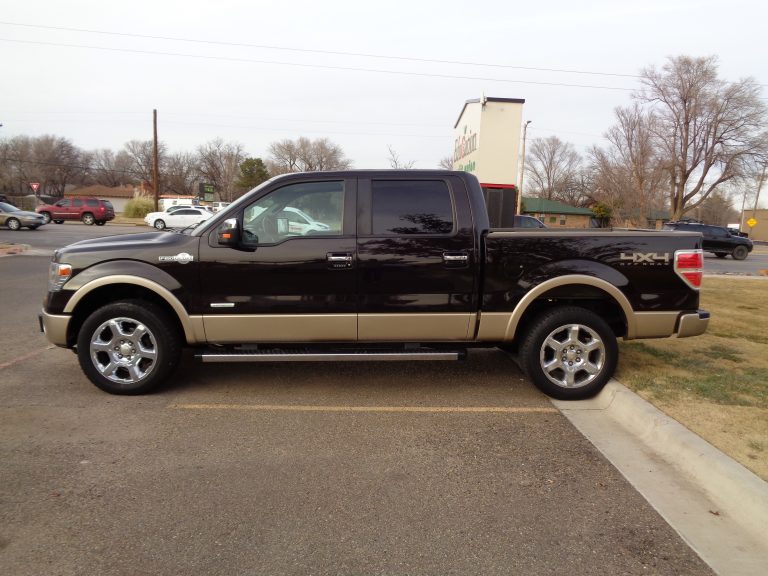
x=413, y=468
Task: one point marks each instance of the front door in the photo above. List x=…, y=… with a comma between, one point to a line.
x=285, y=284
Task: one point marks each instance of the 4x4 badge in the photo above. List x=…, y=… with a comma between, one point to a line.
x=645, y=257
x=182, y=258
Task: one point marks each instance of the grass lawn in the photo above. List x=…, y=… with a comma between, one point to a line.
x=715, y=384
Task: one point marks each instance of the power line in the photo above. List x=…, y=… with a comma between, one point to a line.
x=314, y=66
x=317, y=51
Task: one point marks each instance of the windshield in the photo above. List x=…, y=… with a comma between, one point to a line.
x=5, y=207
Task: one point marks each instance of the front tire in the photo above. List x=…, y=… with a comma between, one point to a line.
x=46, y=217
x=570, y=353
x=128, y=347
x=739, y=253
x=88, y=219
x=721, y=254
x=159, y=224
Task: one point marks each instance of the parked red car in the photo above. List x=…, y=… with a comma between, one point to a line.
x=88, y=210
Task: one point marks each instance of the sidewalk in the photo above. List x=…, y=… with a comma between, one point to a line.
x=719, y=507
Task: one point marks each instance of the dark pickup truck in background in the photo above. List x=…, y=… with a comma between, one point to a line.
x=398, y=265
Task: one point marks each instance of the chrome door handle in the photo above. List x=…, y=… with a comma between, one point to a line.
x=463, y=258
x=339, y=261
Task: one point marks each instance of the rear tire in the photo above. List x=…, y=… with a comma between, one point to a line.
x=739, y=253
x=570, y=353
x=13, y=224
x=128, y=347
x=58, y=221
x=88, y=219
x=100, y=222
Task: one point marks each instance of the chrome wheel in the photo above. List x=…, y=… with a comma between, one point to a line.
x=46, y=217
x=13, y=224
x=572, y=356
x=88, y=219
x=123, y=350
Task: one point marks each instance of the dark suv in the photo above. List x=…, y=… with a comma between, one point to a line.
x=717, y=239
x=88, y=210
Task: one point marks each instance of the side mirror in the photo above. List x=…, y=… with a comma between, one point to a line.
x=228, y=233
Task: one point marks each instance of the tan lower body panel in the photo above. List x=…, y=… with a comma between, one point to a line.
x=415, y=327
x=654, y=324
x=225, y=328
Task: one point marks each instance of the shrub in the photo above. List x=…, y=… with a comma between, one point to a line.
x=139, y=207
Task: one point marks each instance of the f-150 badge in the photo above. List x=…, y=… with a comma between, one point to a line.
x=182, y=258
x=651, y=258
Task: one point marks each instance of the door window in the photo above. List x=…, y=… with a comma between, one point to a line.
x=303, y=209
x=405, y=207
x=62, y=203
x=77, y=203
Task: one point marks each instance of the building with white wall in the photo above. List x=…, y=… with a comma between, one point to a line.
x=487, y=144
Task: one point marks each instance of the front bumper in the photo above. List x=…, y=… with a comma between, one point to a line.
x=693, y=324
x=54, y=326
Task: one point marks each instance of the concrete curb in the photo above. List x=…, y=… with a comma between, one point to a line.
x=739, y=492
x=13, y=249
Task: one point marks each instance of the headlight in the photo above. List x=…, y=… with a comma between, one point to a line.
x=58, y=276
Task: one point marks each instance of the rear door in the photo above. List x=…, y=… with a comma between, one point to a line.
x=416, y=260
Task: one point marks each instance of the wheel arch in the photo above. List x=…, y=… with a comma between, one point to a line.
x=109, y=289
x=579, y=290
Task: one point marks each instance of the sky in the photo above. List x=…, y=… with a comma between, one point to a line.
x=367, y=75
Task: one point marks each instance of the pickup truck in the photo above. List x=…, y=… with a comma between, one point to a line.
x=405, y=267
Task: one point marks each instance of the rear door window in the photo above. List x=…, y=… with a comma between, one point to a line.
x=411, y=207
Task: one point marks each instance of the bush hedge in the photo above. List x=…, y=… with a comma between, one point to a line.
x=138, y=207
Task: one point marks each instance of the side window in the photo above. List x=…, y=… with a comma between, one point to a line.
x=404, y=207
x=303, y=209
x=91, y=202
x=77, y=203
x=62, y=203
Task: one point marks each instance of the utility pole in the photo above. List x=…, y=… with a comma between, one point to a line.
x=155, y=164
x=522, y=172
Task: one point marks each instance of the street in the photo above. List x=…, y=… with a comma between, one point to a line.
x=412, y=468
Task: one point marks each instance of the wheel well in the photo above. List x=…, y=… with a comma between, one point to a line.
x=114, y=293
x=589, y=297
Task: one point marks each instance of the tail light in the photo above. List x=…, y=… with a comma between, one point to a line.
x=689, y=265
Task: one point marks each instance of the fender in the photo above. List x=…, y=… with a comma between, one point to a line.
x=503, y=325
x=123, y=268
x=192, y=325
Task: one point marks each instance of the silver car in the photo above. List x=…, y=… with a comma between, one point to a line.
x=13, y=218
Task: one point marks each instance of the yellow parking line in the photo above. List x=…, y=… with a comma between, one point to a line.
x=396, y=409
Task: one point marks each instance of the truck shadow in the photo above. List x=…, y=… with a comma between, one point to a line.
x=485, y=377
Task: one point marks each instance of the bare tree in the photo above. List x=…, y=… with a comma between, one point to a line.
x=141, y=153
x=305, y=155
x=180, y=173
x=111, y=169
x=446, y=162
x=708, y=130
x=552, y=168
x=629, y=172
x=395, y=162
x=219, y=164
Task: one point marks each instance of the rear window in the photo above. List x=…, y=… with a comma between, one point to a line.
x=107, y=204
x=404, y=207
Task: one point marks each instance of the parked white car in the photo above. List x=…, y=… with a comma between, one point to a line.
x=300, y=222
x=180, y=218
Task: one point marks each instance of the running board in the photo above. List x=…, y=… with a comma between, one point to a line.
x=330, y=356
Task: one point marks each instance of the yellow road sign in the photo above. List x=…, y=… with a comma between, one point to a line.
x=751, y=222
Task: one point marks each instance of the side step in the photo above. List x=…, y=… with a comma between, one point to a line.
x=306, y=355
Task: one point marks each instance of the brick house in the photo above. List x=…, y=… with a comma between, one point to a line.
x=557, y=214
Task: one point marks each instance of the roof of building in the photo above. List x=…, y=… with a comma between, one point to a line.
x=543, y=206
x=487, y=99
